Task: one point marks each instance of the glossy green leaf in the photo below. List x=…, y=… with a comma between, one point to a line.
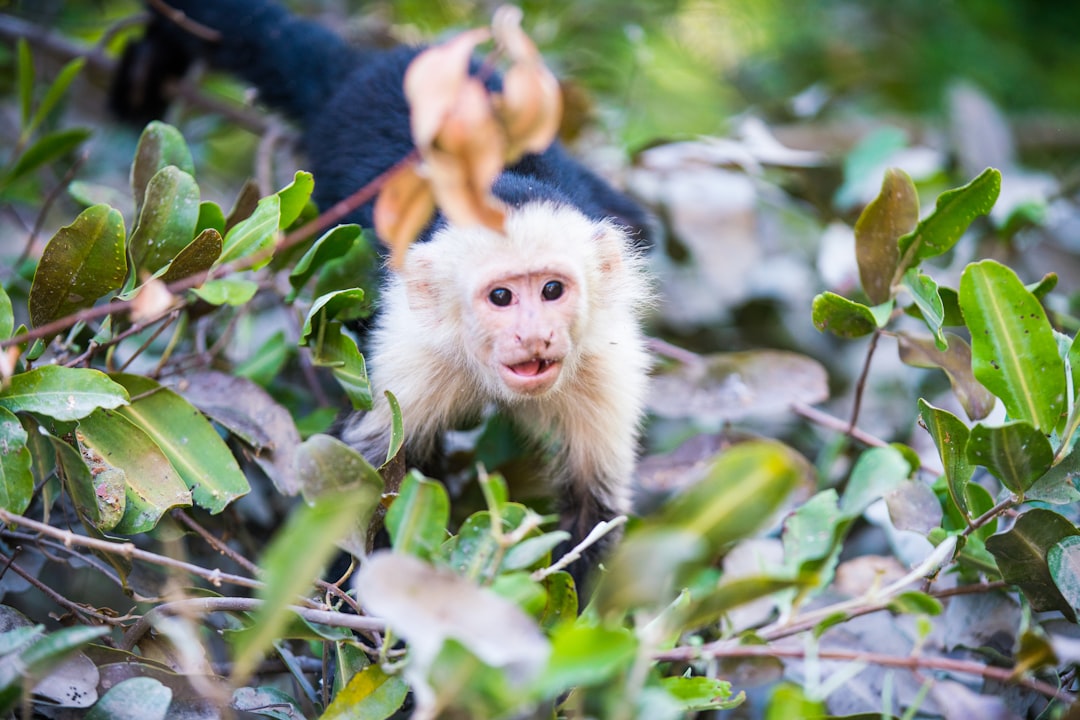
x=137, y=698
x=878, y=471
x=955, y=361
x=842, y=317
x=153, y=485
x=61, y=393
x=198, y=256
x=397, y=427
x=327, y=307
x=532, y=550
x=81, y=263
x=738, y=494
x=582, y=656
x=294, y=197
x=812, y=531
x=78, y=481
x=46, y=149
x=924, y=292
x=650, y=567
x=188, y=440
x=1060, y=485
x=562, y=600
x=211, y=217
x=167, y=220
x=1014, y=351
x=370, y=695
x=60, y=84
x=697, y=694
x=417, y=519
x=1015, y=453
x=894, y=212
x=268, y=702
x=160, y=145
x=1021, y=555
x=333, y=244
x=255, y=235
x=7, y=315
x=327, y=466
x=294, y=559
x=1063, y=559
x=16, y=479
x=227, y=291
x=912, y=602
x=950, y=437
x=954, y=212
x=339, y=352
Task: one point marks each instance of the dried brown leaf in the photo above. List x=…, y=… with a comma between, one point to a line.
x=153, y=299
x=404, y=206
x=530, y=107
x=433, y=83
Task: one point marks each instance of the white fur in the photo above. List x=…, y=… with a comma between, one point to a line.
x=424, y=349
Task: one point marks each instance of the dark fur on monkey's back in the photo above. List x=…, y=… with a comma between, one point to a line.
x=349, y=102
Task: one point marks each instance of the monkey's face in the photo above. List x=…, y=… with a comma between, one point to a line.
x=525, y=325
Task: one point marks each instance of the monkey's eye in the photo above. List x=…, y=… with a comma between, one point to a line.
x=500, y=296
x=553, y=290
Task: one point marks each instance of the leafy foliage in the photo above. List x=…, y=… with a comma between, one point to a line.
x=153, y=435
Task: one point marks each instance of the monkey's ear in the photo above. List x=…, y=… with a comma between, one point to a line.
x=421, y=283
x=610, y=245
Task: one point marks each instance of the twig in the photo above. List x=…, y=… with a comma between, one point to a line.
x=204, y=606
x=75, y=608
x=860, y=386
x=598, y=532
x=726, y=649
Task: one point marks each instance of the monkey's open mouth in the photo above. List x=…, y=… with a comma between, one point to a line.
x=531, y=368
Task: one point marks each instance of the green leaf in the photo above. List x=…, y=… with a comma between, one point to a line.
x=811, y=532
x=1021, y=555
x=160, y=145
x=24, y=63
x=268, y=702
x=1015, y=453
x=137, y=698
x=739, y=493
x=266, y=362
x=950, y=437
x=532, y=550
x=188, y=440
x=7, y=315
x=924, y=292
x=728, y=595
x=582, y=656
x=295, y=558
x=956, y=364
x=78, y=481
x=167, y=221
x=877, y=472
x=333, y=244
x=338, y=351
x=227, y=291
x=954, y=212
x=82, y=262
x=294, y=197
x=211, y=217
x=912, y=602
x=1063, y=560
x=397, y=427
x=891, y=214
x=417, y=519
x=871, y=152
x=153, y=485
x=842, y=317
x=47, y=148
x=61, y=393
x=370, y=695
x=1060, y=485
x=327, y=466
x=696, y=694
x=328, y=307
x=198, y=256
x=1014, y=351
x=255, y=235
x=16, y=479
x=55, y=91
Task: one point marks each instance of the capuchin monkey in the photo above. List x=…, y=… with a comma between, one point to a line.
x=541, y=321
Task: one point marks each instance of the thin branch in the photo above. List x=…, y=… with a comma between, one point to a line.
x=598, y=532
x=74, y=608
x=860, y=386
x=205, y=606
x=726, y=649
